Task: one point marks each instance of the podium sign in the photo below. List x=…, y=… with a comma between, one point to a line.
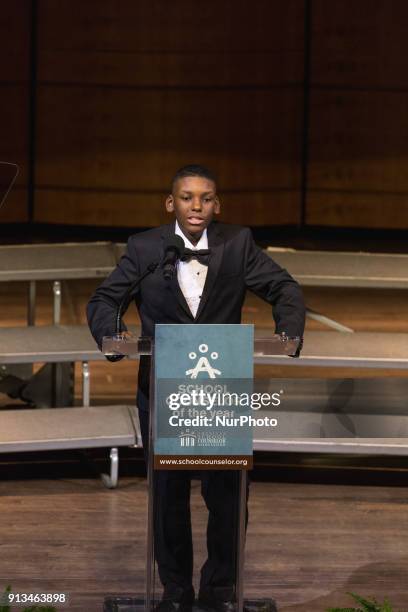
x=203, y=393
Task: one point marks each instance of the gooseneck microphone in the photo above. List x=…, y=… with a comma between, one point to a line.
x=124, y=303
x=173, y=251
x=127, y=297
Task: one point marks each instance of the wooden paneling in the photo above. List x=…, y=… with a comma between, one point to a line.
x=135, y=140
x=359, y=141
x=14, y=149
x=130, y=91
x=184, y=26
x=360, y=44
x=14, y=208
x=163, y=44
x=14, y=127
x=352, y=209
x=275, y=207
x=15, y=39
x=139, y=89
x=358, y=136
x=207, y=69
x=147, y=209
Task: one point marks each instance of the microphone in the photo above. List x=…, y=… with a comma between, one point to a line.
x=124, y=303
x=173, y=250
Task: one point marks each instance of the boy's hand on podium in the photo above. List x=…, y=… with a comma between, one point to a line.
x=126, y=334
x=113, y=358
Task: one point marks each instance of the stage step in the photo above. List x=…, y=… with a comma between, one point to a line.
x=71, y=428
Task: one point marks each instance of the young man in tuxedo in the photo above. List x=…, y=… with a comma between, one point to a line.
x=209, y=288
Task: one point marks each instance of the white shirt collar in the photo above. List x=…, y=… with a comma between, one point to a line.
x=201, y=244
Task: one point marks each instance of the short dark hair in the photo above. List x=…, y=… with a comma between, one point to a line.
x=193, y=170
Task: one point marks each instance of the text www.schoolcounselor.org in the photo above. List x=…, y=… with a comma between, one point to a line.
x=204, y=462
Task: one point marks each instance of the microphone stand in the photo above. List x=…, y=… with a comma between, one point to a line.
x=118, y=320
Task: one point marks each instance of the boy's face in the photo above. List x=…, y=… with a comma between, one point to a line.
x=194, y=201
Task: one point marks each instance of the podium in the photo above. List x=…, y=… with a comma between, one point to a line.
x=128, y=345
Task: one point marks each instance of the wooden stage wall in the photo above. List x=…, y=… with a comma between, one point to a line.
x=15, y=19
x=299, y=105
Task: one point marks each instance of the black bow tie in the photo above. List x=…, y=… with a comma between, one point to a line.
x=202, y=255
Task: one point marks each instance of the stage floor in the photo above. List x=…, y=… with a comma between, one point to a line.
x=307, y=545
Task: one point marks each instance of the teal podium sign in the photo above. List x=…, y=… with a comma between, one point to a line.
x=203, y=394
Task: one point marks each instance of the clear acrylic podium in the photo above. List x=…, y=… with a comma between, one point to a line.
x=128, y=345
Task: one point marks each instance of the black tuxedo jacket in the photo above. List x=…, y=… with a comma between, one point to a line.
x=235, y=265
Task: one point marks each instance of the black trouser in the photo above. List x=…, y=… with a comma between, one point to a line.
x=172, y=525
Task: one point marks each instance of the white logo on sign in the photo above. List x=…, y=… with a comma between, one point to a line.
x=203, y=365
x=187, y=438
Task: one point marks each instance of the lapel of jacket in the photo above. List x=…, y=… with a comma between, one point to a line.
x=173, y=285
x=216, y=244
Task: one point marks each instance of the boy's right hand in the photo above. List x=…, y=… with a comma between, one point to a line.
x=113, y=358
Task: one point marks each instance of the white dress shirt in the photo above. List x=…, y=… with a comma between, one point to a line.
x=191, y=274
